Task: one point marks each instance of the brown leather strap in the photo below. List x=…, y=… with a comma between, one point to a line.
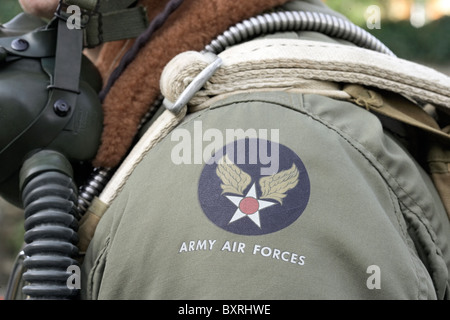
x=397, y=107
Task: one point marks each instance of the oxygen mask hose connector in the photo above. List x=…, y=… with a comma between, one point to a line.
x=51, y=222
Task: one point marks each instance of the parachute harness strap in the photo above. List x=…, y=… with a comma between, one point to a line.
x=104, y=21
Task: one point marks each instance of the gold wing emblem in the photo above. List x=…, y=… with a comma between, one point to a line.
x=276, y=186
x=234, y=180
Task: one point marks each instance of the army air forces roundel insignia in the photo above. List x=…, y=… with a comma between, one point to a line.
x=245, y=191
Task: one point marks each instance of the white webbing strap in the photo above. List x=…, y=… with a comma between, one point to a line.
x=162, y=126
x=290, y=63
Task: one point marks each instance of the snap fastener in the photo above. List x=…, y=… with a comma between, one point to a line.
x=61, y=108
x=20, y=44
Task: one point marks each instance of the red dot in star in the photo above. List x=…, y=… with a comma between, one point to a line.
x=249, y=205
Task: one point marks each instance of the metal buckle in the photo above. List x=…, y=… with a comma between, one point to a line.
x=196, y=84
x=13, y=290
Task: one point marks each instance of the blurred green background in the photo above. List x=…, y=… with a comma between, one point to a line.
x=416, y=30
x=8, y=9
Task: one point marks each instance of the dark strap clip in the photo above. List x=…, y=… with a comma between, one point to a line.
x=85, y=15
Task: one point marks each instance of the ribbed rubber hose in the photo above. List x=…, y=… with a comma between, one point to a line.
x=50, y=202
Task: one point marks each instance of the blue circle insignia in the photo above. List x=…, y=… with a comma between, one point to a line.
x=254, y=187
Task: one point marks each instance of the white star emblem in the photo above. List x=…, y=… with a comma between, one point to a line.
x=249, y=206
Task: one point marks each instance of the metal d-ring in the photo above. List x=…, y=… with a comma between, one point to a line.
x=196, y=84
